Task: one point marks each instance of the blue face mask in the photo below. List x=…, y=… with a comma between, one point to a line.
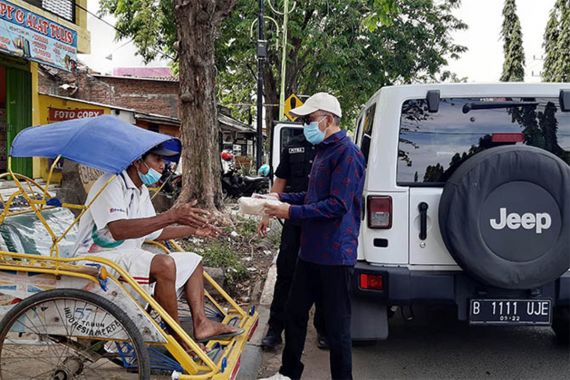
x=313, y=133
x=151, y=177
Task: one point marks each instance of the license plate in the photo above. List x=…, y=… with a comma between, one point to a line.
x=510, y=312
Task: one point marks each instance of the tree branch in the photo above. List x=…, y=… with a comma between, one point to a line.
x=223, y=9
x=308, y=16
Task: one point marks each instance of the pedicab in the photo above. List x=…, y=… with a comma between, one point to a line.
x=75, y=317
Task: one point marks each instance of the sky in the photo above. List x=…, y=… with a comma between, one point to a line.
x=481, y=63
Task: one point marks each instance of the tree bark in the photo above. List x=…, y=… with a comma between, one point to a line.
x=197, y=23
x=271, y=96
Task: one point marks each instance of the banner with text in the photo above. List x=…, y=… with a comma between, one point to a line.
x=37, y=38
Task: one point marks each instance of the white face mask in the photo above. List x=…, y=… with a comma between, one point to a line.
x=151, y=177
x=313, y=133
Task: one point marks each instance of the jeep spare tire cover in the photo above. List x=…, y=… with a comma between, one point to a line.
x=504, y=216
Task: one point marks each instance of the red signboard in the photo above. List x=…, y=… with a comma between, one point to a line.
x=58, y=114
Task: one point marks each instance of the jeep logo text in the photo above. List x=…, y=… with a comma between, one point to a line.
x=528, y=221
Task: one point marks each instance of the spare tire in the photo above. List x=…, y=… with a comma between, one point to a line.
x=504, y=216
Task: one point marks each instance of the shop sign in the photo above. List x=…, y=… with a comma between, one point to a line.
x=34, y=37
x=58, y=114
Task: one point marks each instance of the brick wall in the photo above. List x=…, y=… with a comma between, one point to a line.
x=150, y=96
x=143, y=95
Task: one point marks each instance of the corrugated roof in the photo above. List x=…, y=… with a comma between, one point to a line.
x=88, y=102
x=226, y=121
x=170, y=79
x=144, y=72
x=234, y=124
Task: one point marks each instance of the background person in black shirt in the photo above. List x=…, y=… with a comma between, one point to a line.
x=292, y=177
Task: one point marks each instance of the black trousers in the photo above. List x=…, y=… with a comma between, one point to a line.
x=331, y=285
x=286, y=262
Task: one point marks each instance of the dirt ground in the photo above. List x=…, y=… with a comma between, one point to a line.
x=243, y=256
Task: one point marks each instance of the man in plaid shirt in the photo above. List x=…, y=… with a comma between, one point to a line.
x=329, y=213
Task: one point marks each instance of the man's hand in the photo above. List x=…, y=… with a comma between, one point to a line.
x=262, y=227
x=188, y=215
x=278, y=211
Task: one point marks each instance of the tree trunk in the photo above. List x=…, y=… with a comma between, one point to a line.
x=197, y=23
x=271, y=96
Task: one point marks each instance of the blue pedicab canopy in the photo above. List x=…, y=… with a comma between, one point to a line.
x=103, y=142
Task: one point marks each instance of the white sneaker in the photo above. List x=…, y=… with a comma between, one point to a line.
x=277, y=376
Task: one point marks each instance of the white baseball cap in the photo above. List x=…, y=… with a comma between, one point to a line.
x=321, y=101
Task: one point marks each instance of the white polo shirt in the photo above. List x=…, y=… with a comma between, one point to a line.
x=121, y=199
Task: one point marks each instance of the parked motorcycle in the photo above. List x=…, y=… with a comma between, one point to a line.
x=171, y=182
x=236, y=185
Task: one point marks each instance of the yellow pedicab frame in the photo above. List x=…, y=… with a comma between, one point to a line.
x=226, y=365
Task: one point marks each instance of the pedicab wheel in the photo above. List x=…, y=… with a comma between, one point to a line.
x=70, y=334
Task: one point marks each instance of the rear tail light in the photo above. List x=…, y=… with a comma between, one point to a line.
x=507, y=137
x=371, y=281
x=379, y=212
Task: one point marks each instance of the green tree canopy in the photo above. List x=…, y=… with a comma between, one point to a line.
x=550, y=43
x=350, y=48
x=556, y=44
x=511, y=33
x=562, y=66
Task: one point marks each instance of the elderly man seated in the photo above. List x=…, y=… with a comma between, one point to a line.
x=122, y=217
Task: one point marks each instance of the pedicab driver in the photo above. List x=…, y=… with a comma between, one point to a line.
x=122, y=217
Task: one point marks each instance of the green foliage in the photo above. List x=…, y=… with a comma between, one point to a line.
x=550, y=44
x=247, y=227
x=382, y=13
x=220, y=253
x=513, y=66
x=556, y=48
x=562, y=67
x=227, y=253
x=150, y=23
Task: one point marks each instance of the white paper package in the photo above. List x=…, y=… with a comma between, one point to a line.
x=254, y=206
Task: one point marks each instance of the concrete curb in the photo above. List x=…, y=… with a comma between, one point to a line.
x=251, y=358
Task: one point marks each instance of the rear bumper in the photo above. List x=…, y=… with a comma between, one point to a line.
x=403, y=287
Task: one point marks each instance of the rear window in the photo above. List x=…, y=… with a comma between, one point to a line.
x=367, y=131
x=433, y=145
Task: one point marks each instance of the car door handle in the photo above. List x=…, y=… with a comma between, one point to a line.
x=423, y=207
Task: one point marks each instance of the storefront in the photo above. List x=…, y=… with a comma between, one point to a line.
x=30, y=34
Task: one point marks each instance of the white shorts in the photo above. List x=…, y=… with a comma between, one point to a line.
x=137, y=263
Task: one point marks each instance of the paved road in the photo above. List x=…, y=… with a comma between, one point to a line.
x=436, y=346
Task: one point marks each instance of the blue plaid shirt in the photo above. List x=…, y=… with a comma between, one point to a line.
x=329, y=210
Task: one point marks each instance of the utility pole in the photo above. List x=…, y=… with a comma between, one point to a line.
x=285, y=15
x=261, y=56
x=283, y=60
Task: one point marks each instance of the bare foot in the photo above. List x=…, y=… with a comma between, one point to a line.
x=208, y=328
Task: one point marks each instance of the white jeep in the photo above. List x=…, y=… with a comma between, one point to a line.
x=466, y=202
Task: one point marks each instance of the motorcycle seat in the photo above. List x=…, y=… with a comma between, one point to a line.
x=253, y=179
